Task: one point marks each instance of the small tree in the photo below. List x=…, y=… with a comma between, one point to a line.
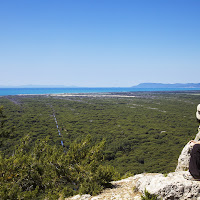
x=49, y=171
x=3, y=131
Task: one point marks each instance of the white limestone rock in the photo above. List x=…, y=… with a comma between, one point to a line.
x=173, y=186
x=184, y=158
x=197, y=138
x=81, y=197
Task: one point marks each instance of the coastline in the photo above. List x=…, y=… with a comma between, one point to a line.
x=90, y=91
x=115, y=94
x=91, y=95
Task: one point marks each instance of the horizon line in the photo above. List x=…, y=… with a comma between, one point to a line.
x=73, y=86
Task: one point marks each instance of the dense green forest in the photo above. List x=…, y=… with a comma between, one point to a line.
x=145, y=133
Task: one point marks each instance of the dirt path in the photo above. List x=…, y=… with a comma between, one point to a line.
x=122, y=190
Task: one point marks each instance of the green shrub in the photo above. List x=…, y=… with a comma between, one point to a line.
x=49, y=171
x=148, y=196
x=127, y=174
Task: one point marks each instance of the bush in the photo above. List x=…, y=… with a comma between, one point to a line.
x=148, y=196
x=48, y=170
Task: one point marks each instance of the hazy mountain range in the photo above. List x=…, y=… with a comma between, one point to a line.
x=162, y=85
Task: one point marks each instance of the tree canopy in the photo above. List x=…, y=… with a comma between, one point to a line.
x=46, y=171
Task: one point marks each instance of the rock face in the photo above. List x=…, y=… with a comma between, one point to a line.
x=173, y=186
x=184, y=158
x=176, y=184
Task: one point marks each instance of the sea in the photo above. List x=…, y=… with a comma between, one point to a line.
x=39, y=91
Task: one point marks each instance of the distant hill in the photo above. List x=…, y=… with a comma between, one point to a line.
x=162, y=85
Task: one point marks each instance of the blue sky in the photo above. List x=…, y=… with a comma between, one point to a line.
x=99, y=43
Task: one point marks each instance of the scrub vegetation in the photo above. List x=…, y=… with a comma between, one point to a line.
x=145, y=133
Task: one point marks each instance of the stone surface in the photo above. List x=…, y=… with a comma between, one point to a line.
x=184, y=158
x=81, y=197
x=197, y=138
x=173, y=186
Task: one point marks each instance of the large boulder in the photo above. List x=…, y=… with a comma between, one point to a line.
x=176, y=185
x=184, y=158
x=173, y=186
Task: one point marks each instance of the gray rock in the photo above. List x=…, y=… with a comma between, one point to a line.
x=173, y=186
x=176, y=184
x=197, y=138
x=81, y=197
x=184, y=158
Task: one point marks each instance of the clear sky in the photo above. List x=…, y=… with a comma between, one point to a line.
x=99, y=43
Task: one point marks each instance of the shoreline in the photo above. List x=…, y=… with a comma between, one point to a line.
x=90, y=95
x=92, y=91
x=110, y=94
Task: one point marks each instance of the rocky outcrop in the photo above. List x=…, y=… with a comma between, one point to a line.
x=174, y=186
x=184, y=158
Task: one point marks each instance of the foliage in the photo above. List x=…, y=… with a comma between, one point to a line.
x=145, y=133
x=126, y=175
x=148, y=196
x=46, y=171
x=4, y=133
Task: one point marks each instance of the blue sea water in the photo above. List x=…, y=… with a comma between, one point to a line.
x=18, y=91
